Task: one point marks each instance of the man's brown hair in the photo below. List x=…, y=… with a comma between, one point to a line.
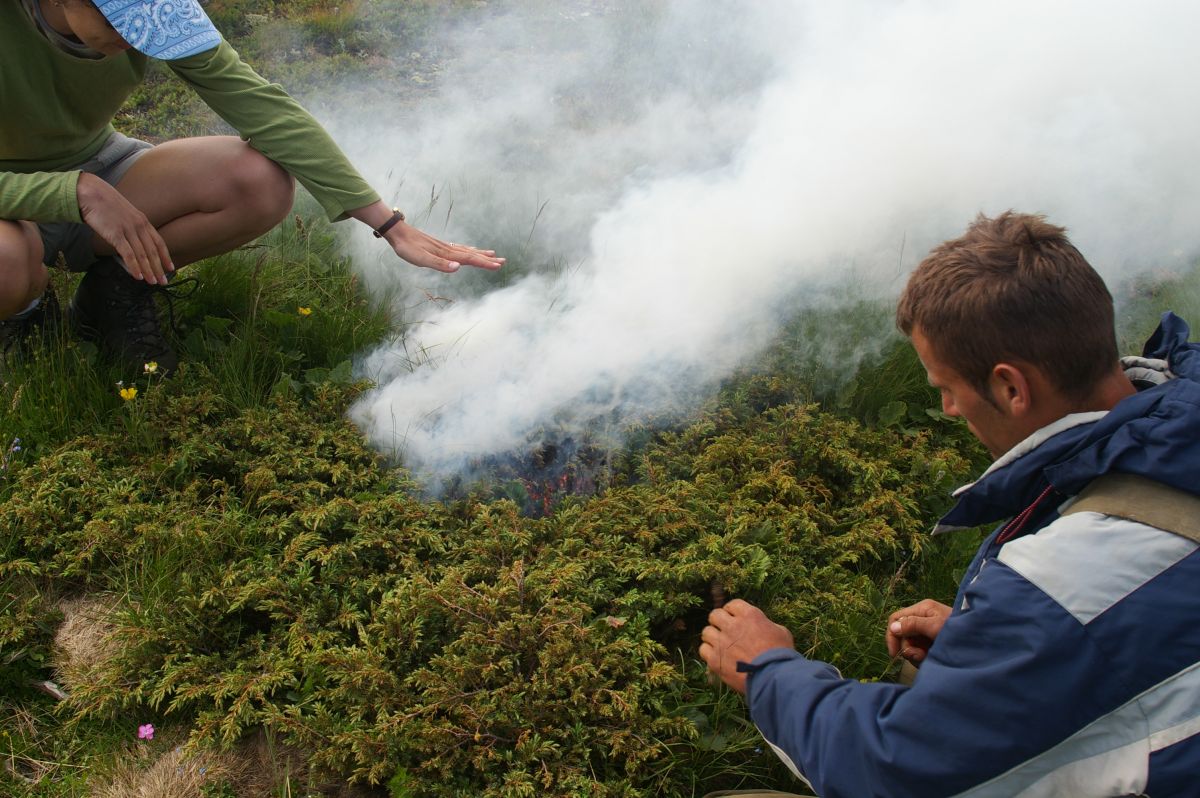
x=1013, y=288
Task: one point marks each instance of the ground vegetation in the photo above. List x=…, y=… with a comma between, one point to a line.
x=211, y=585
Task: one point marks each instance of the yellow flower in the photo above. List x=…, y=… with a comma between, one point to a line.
x=129, y=394
x=304, y=311
x=150, y=367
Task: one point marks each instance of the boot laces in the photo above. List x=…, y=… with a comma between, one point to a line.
x=141, y=310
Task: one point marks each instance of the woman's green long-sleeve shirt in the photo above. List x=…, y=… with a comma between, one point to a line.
x=56, y=111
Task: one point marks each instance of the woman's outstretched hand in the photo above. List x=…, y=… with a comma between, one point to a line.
x=422, y=249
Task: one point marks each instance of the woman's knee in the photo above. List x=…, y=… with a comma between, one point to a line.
x=265, y=190
x=22, y=276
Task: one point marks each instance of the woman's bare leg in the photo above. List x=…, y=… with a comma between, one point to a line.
x=23, y=278
x=206, y=195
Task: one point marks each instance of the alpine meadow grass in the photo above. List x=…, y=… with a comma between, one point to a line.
x=221, y=556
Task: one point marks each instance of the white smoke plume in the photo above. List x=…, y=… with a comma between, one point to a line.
x=668, y=175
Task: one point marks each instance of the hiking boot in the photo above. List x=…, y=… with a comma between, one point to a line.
x=119, y=313
x=20, y=334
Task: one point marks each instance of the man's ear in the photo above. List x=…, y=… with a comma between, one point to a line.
x=1011, y=389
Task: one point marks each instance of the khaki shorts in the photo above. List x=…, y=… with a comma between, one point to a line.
x=69, y=244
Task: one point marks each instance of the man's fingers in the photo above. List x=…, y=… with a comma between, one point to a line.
x=915, y=626
x=925, y=607
x=922, y=620
x=739, y=606
x=894, y=643
x=719, y=617
x=722, y=615
x=710, y=634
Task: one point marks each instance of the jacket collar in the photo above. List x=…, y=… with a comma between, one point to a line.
x=1152, y=434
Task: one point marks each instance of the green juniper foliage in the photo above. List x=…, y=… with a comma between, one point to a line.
x=270, y=576
x=270, y=571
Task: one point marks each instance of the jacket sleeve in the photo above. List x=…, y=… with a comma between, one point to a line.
x=1008, y=678
x=39, y=196
x=277, y=126
x=1170, y=342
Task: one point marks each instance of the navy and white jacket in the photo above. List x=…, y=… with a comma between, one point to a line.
x=1071, y=663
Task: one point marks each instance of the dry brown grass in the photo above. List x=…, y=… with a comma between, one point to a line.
x=159, y=769
x=85, y=646
x=255, y=769
x=86, y=643
x=22, y=725
x=147, y=773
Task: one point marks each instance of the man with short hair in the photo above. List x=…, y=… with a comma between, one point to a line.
x=1069, y=664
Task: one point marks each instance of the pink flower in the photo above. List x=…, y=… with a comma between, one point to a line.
x=146, y=731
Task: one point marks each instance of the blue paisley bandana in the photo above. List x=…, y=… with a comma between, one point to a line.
x=163, y=29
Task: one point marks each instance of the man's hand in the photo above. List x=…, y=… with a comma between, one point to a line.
x=911, y=631
x=739, y=632
x=126, y=229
